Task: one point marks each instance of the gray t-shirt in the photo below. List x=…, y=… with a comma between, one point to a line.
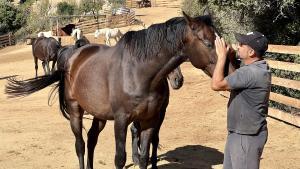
x=248, y=104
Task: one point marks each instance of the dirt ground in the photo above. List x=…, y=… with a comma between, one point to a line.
x=36, y=136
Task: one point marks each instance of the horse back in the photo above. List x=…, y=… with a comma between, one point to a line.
x=45, y=48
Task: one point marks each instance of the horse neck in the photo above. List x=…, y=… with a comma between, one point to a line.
x=166, y=69
x=153, y=48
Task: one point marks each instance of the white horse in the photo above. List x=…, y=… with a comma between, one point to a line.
x=109, y=33
x=45, y=34
x=76, y=33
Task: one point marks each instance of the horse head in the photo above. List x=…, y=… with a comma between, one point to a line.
x=176, y=78
x=81, y=42
x=199, y=43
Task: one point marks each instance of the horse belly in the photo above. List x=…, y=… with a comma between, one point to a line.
x=91, y=91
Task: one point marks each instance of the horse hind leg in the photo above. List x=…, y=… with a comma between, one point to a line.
x=36, y=66
x=97, y=127
x=76, y=114
x=46, y=67
x=53, y=65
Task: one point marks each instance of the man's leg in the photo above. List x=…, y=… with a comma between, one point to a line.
x=227, y=158
x=254, y=146
x=246, y=150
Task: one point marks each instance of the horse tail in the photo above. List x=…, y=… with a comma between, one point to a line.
x=62, y=100
x=21, y=88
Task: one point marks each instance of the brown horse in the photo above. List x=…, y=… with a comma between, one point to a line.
x=125, y=83
x=45, y=49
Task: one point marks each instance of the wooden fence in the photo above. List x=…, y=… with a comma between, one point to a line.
x=103, y=21
x=166, y=3
x=7, y=40
x=287, y=83
x=292, y=117
x=156, y=3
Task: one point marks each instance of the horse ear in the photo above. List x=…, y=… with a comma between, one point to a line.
x=206, y=11
x=186, y=17
x=189, y=20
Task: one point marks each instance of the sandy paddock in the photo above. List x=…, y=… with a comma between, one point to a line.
x=36, y=136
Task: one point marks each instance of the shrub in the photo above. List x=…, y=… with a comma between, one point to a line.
x=63, y=8
x=11, y=18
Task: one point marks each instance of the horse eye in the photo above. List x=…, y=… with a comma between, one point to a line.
x=207, y=43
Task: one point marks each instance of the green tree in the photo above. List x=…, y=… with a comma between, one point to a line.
x=37, y=19
x=91, y=6
x=279, y=20
x=63, y=8
x=11, y=19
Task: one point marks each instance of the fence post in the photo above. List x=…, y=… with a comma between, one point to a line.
x=9, y=38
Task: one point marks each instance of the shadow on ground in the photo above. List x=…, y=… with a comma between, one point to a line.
x=6, y=77
x=190, y=157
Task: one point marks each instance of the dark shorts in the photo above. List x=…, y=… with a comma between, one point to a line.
x=244, y=151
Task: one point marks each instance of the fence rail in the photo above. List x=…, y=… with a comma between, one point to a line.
x=156, y=3
x=7, y=40
x=114, y=21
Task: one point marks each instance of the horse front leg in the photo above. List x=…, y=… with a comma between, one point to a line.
x=120, y=127
x=76, y=114
x=146, y=137
x=155, y=138
x=135, y=134
x=96, y=128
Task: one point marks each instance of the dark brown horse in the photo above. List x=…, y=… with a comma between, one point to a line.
x=175, y=78
x=45, y=49
x=125, y=83
x=65, y=52
x=63, y=31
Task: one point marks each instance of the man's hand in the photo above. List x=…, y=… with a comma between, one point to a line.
x=218, y=81
x=221, y=48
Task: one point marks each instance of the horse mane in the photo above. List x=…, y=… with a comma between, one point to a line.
x=144, y=44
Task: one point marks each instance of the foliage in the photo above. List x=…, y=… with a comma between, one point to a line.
x=37, y=19
x=117, y=3
x=283, y=57
x=11, y=18
x=267, y=16
x=64, y=8
x=279, y=20
x=91, y=6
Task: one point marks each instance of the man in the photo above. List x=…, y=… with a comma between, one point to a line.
x=248, y=104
